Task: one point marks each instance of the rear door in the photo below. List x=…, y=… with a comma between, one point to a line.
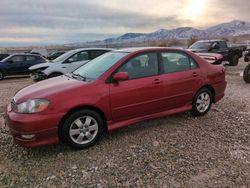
x=182, y=76
x=142, y=94
x=32, y=60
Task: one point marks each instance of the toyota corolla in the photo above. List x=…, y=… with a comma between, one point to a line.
x=115, y=90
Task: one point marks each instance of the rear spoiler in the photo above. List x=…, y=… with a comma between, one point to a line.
x=211, y=58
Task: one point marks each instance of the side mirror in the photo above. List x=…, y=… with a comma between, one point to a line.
x=120, y=76
x=10, y=61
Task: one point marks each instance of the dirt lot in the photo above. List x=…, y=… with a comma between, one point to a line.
x=177, y=151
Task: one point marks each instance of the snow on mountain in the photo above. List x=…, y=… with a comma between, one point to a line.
x=233, y=28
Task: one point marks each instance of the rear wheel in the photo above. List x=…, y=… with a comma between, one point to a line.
x=234, y=61
x=1, y=75
x=52, y=75
x=202, y=102
x=246, y=74
x=82, y=129
x=246, y=59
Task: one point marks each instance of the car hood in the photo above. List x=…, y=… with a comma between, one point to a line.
x=197, y=50
x=39, y=66
x=48, y=88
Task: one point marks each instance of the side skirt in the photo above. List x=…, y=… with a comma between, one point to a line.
x=117, y=125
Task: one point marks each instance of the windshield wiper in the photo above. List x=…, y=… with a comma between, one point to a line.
x=78, y=77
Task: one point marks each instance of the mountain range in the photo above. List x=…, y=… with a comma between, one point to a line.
x=233, y=28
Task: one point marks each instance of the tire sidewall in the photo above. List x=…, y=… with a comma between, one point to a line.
x=235, y=60
x=1, y=75
x=65, y=127
x=195, y=111
x=246, y=74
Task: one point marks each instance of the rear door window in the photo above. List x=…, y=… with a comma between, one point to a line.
x=177, y=62
x=30, y=58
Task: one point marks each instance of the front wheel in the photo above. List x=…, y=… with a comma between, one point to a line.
x=234, y=61
x=1, y=75
x=246, y=74
x=202, y=102
x=82, y=129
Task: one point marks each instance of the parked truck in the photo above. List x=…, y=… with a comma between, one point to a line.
x=230, y=54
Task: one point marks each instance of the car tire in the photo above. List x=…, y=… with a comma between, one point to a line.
x=246, y=74
x=81, y=129
x=234, y=61
x=1, y=75
x=246, y=59
x=55, y=74
x=202, y=102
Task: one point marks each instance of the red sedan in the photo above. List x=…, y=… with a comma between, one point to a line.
x=116, y=90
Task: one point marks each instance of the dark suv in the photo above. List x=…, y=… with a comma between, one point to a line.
x=18, y=64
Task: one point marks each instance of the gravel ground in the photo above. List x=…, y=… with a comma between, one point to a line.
x=176, y=151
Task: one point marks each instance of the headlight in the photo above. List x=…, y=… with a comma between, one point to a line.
x=32, y=106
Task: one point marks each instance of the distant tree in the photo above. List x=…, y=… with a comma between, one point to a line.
x=225, y=39
x=234, y=40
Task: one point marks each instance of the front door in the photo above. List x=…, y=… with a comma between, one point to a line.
x=142, y=93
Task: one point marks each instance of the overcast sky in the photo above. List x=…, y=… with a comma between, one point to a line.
x=31, y=22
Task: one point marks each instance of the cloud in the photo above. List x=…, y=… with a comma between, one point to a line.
x=63, y=21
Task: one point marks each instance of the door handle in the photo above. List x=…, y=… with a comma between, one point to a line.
x=195, y=74
x=157, y=81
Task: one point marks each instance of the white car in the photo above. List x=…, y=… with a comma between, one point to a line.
x=65, y=63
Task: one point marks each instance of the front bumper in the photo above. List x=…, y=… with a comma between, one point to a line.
x=33, y=130
x=38, y=76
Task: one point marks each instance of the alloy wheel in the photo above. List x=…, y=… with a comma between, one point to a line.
x=203, y=102
x=83, y=130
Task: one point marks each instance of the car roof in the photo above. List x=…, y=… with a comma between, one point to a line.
x=213, y=40
x=81, y=49
x=26, y=54
x=141, y=49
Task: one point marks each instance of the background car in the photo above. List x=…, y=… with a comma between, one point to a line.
x=18, y=64
x=230, y=54
x=115, y=90
x=55, y=55
x=65, y=63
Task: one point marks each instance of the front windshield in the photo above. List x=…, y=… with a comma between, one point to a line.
x=7, y=58
x=95, y=68
x=65, y=56
x=201, y=45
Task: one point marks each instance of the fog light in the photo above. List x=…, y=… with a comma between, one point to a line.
x=28, y=137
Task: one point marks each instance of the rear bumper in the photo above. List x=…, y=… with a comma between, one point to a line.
x=219, y=91
x=33, y=130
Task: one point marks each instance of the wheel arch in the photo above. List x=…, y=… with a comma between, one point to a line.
x=83, y=107
x=211, y=89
